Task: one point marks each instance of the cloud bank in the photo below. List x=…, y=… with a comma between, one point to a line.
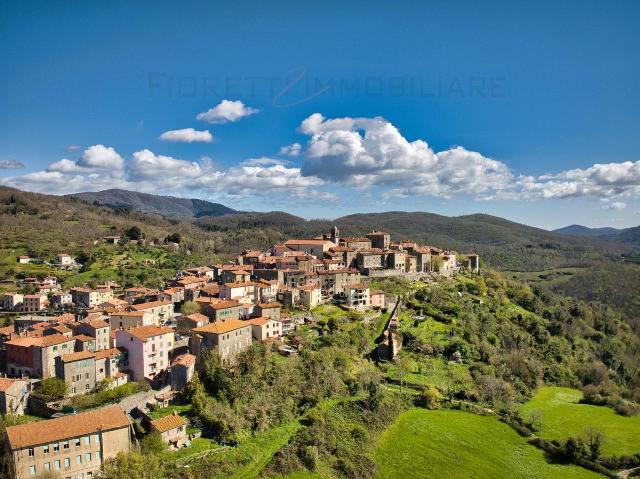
x=355, y=153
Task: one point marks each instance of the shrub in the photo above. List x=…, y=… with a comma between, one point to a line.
x=431, y=398
x=153, y=444
x=52, y=389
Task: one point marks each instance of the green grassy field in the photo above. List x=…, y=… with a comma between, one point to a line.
x=563, y=416
x=458, y=445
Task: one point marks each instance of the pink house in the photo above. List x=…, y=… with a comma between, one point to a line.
x=377, y=299
x=148, y=348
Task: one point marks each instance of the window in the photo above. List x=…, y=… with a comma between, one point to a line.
x=67, y=463
x=78, y=459
x=77, y=442
x=57, y=465
x=47, y=466
x=96, y=438
x=32, y=470
x=45, y=449
x=87, y=456
x=87, y=439
x=98, y=456
x=31, y=452
x=65, y=445
x=86, y=386
x=56, y=447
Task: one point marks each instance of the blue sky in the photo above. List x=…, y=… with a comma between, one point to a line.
x=527, y=111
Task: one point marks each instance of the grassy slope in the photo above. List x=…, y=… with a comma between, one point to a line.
x=563, y=416
x=458, y=445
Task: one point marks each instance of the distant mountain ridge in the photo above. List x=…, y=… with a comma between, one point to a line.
x=169, y=206
x=629, y=236
x=586, y=231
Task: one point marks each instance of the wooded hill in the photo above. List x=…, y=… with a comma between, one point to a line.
x=168, y=206
x=629, y=236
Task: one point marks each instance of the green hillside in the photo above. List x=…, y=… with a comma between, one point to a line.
x=458, y=445
x=562, y=415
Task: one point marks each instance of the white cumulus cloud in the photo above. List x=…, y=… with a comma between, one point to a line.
x=294, y=149
x=187, y=135
x=227, y=111
x=371, y=151
x=95, y=159
x=146, y=165
x=364, y=152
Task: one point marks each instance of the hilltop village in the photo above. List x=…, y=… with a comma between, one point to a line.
x=87, y=340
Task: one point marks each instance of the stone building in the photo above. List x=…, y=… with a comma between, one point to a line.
x=226, y=337
x=78, y=370
x=69, y=446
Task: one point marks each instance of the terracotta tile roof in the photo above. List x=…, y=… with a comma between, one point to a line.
x=68, y=358
x=84, y=337
x=191, y=280
x=224, y=305
x=197, y=317
x=54, y=339
x=98, y=323
x=206, y=300
x=149, y=305
x=108, y=353
x=65, y=318
x=211, y=288
x=24, y=342
x=145, y=332
x=167, y=423
x=186, y=360
x=261, y=321
x=6, y=383
x=136, y=290
x=222, y=327
x=54, y=430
